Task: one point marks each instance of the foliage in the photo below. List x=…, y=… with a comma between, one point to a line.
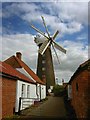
x=14, y=117
x=44, y=99
x=58, y=90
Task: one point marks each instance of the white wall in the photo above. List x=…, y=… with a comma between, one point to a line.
x=19, y=91
x=38, y=91
x=43, y=92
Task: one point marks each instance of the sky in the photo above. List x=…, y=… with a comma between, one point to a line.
x=70, y=18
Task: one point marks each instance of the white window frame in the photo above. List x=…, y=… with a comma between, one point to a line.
x=28, y=91
x=23, y=91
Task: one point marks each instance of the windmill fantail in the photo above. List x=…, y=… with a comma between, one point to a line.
x=39, y=39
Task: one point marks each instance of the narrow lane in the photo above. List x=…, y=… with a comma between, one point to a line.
x=53, y=108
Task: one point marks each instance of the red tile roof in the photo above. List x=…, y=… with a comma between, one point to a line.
x=8, y=70
x=18, y=63
x=31, y=73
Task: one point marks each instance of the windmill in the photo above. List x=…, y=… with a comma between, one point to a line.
x=45, y=68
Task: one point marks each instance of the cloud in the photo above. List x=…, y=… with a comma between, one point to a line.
x=77, y=53
x=77, y=11
x=23, y=43
x=0, y=47
x=66, y=75
x=67, y=13
x=55, y=13
x=44, y=1
x=69, y=62
x=82, y=37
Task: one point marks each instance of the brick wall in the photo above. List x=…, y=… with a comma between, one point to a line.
x=8, y=96
x=80, y=94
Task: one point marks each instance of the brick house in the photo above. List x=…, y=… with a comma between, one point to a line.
x=80, y=86
x=8, y=105
x=17, y=83
x=17, y=63
x=9, y=78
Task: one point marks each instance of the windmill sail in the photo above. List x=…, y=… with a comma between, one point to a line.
x=59, y=47
x=38, y=31
x=55, y=53
x=56, y=33
x=45, y=26
x=44, y=47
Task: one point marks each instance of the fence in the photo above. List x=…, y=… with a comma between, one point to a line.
x=26, y=102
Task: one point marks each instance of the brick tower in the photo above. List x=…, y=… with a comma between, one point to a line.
x=45, y=70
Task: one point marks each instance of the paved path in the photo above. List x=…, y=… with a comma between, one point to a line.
x=53, y=108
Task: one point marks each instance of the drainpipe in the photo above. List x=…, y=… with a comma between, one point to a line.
x=19, y=106
x=40, y=92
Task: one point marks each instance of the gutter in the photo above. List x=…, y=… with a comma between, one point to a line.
x=13, y=77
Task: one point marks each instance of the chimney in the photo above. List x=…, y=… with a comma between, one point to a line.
x=18, y=55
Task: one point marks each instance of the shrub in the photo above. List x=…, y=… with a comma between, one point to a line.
x=58, y=90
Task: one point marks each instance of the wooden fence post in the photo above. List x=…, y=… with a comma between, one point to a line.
x=19, y=106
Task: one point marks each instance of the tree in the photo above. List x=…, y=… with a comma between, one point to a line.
x=58, y=90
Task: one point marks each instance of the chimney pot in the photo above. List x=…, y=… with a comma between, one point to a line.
x=18, y=55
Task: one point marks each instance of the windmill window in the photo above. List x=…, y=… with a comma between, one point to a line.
x=43, y=61
x=23, y=90
x=43, y=69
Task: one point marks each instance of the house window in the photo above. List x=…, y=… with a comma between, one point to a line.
x=76, y=86
x=28, y=91
x=23, y=90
